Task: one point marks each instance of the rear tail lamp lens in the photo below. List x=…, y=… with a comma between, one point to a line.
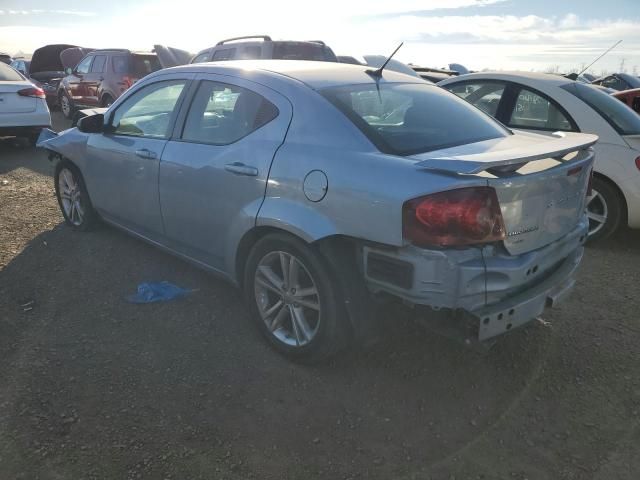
x=638, y=163
x=35, y=92
x=464, y=216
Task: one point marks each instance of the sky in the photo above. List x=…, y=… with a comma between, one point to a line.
x=564, y=35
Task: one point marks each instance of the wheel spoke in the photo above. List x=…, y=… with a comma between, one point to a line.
x=72, y=215
x=308, y=304
x=306, y=292
x=79, y=211
x=65, y=196
x=272, y=277
x=271, y=310
x=300, y=326
x=294, y=270
x=68, y=181
x=266, y=284
x=285, y=265
x=596, y=217
x=277, y=321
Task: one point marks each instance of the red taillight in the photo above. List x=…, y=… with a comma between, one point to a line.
x=127, y=81
x=464, y=216
x=35, y=92
x=638, y=163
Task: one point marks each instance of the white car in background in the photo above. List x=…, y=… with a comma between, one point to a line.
x=543, y=103
x=23, y=106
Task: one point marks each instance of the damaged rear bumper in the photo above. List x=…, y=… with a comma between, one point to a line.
x=479, y=293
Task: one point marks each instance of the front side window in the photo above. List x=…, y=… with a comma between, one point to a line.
x=406, y=119
x=486, y=95
x=148, y=112
x=533, y=111
x=84, y=65
x=203, y=57
x=622, y=118
x=615, y=83
x=98, y=64
x=221, y=114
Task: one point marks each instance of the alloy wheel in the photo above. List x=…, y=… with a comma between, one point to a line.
x=65, y=106
x=597, y=212
x=71, y=196
x=287, y=298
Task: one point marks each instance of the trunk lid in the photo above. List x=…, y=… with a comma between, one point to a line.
x=540, y=181
x=11, y=102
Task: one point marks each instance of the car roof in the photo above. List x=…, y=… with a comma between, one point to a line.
x=548, y=78
x=314, y=74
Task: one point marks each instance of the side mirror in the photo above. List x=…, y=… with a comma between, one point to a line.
x=92, y=123
x=68, y=70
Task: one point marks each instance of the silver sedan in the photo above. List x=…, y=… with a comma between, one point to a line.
x=316, y=187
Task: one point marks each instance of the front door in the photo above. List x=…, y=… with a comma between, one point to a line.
x=213, y=175
x=122, y=165
x=76, y=81
x=93, y=80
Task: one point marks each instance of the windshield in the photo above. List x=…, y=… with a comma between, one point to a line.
x=622, y=118
x=9, y=74
x=405, y=119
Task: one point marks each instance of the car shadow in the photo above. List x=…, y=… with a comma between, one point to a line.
x=201, y=360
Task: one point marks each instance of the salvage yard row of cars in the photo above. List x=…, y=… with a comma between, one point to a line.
x=269, y=172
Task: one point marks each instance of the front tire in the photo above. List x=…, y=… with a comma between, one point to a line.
x=73, y=197
x=107, y=100
x=605, y=210
x=295, y=299
x=66, y=105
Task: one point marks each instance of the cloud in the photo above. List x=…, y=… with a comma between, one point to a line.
x=37, y=11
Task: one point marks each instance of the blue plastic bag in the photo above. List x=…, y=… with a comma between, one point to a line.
x=151, y=292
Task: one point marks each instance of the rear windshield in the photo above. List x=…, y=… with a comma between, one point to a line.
x=8, y=74
x=622, y=118
x=303, y=51
x=405, y=119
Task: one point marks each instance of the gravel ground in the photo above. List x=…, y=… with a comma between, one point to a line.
x=92, y=387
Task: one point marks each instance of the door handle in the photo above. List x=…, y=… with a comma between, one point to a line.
x=146, y=153
x=241, y=169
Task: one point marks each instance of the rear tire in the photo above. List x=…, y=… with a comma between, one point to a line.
x=73, y=197
x=295, y=299
x=66, y=105
x=605, y=209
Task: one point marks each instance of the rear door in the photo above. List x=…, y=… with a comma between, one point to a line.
x=214, y=171
x=122, y=166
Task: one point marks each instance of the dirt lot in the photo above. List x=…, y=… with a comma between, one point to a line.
x=92, y=387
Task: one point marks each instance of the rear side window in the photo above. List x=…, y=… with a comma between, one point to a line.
x=303, y=51
x=406, y=119
x=8, y=74
x=221, y=114
x=120, y=64
x=250, y=53
x=533, y=111
x=226, y=54
x=622, y=118
x=142, y=65
x=98, y=64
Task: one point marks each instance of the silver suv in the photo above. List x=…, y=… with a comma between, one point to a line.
x=262, y=47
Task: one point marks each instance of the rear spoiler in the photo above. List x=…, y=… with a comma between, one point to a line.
x=515, y=153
